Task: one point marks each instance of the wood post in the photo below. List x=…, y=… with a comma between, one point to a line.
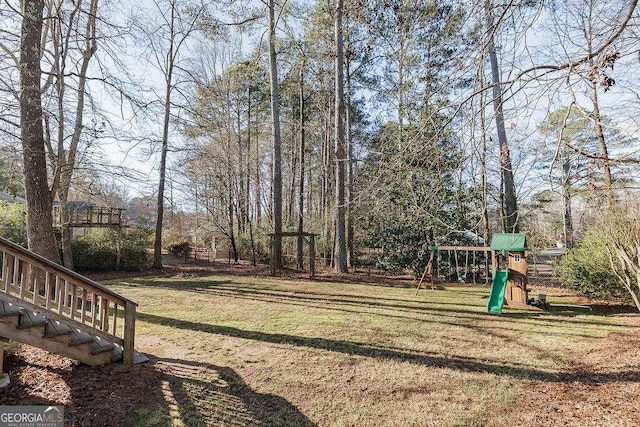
x=6, y=271
x=312, y=249
x=129, y=332
x=312, y=255
x=428, y=270
x=272, y=255
x=4, y=378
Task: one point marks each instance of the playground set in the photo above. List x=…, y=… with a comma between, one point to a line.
x=508, y=256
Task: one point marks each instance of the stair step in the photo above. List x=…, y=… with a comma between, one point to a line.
x=100, y=345
x=58, y=333
x=9, y=309
x=30, y=319
x=56, y=328
x=79, y=337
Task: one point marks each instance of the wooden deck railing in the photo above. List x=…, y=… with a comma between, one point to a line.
x=89, y=216
x=67, y=296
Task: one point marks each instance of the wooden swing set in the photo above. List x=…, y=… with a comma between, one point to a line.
x=509, y=282
x=432, y=271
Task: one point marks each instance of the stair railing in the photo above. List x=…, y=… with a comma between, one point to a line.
x=67, y=296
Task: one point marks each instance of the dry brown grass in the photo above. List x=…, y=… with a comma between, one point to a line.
x=234, y=347
x=241, y=350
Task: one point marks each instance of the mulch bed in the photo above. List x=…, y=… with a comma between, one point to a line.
x=92, y=396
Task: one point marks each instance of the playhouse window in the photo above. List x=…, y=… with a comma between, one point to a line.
x=516, y=257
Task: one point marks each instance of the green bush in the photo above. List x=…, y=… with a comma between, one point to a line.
x=587, y=269
x=180, y=249
x=133, y=249
x=13, y=224
x=97, y=250
x=90, y=255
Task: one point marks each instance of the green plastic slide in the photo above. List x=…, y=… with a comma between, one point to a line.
x=498, y=286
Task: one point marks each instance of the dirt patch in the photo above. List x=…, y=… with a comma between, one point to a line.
x=602, y=388
x=101, y=396
x=152, y=393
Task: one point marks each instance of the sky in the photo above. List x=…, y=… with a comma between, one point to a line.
x=132, y=142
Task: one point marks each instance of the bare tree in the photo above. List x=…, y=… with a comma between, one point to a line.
x=177, y=28
x=506, y=169
x=64, y=157
x=619, y=230
x=40, y=235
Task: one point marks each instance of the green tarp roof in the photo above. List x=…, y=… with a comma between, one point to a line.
x=509, y=242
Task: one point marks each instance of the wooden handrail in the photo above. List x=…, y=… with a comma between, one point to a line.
x=67, y=295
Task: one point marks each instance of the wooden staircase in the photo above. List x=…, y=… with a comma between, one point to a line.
x=48, y=306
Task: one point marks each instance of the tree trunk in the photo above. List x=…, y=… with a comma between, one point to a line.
x=328, y=222
x=300, y=243
x=241, y=190
x=276, y=141
x=566, y=204
x=258, y=180
x=602, y=142
x=350, y=172
x=40, y=235
x=157, y=246
x=483, y=165
x=597, y=120
x=506, y=169
x=231, y=205
x=67, y=165
x=293, y=171
x=247, y=199
x=340, y=255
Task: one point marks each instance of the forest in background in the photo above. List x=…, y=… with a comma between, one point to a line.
x=382, y=127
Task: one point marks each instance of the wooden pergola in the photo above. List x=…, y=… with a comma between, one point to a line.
x=310, y=238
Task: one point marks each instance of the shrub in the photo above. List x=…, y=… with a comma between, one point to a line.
x=13, y=224
x=587, y=269
x=97, y=250
x=88, y=255
x=133, y=249
x=180, y=249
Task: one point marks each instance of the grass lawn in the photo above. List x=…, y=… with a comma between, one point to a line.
x=238, y=350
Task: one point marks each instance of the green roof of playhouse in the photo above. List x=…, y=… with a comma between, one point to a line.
x=516, y=242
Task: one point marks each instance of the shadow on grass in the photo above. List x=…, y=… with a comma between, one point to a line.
x=161, y=392
x=203, y=394
x=174, y=284
x=464, y=310
x=416, y=307
x=458, y=309
x=450, y=317
x=391, y=353
x=610, y=310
